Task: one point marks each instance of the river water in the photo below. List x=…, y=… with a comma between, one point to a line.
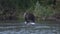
x=19, y=28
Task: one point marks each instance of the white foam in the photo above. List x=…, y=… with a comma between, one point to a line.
x=29, y=23
x=32, y=23
x=25, y=22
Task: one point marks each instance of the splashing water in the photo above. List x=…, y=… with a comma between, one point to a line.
x=30, y=29
x=31, y=23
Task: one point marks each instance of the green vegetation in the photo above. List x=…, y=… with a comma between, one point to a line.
x=14, y=9
x=42, y=11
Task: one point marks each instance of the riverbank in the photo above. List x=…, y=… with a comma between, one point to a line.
x=17, y=23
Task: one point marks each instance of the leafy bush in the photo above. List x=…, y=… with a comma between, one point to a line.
x=42, y=11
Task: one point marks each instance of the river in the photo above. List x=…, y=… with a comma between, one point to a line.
x=21, y=28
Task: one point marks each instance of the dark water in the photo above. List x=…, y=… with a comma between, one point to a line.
x=20, y=28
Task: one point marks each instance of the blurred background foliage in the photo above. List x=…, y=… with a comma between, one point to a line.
x=42, y=9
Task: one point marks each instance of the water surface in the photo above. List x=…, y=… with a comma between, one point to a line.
x=21, y=28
